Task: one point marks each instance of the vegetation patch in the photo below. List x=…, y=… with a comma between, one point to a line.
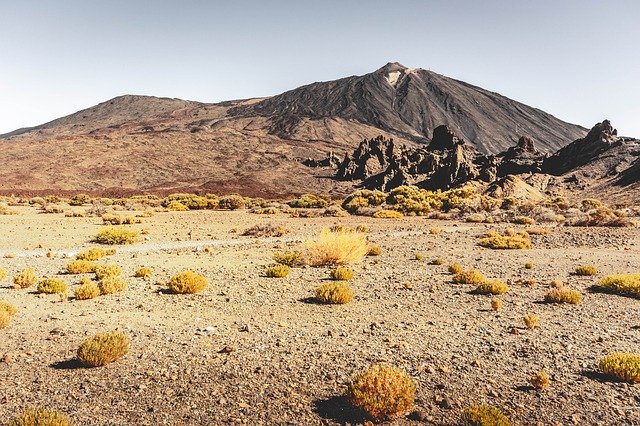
x=187, y=282
x=111, y=284
x=388, y=214
x=563, y=295
x=268, y=230
x=531, y=321
x=278, y=271
x=472, y=276
x=540, y=380
x=289, y=258
x=509, y=241
x=374, y=250
x=25, y=279
x=103, y=348
x=495, y=287
x=484, y=415
x=310, y=201
x=88, y=290
x=114, y=235
x=334, y=293
x=143, y=272
x=52, y=286
x=623, y=366
x=95, y=254
x=81, y=267
x=107, y=270
x=586, y=270
x=382, y=391
x=341, y=274
x=336, y=248
x=628, y=284
x=41, y=417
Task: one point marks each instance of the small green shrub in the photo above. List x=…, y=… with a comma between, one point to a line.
x=563, y=295
x=484, y=415
x=622, y=283
x=187, y=282
x=278, y=271
x=103, y=348
x=115, y=235
x=80, y=267
x=41, y=417
x=623, y=366
x=144, y=272
x=495, y=287
x=289, y=258
x=382, y=391
x=586, y=270
x=334, y=293
x=341, y=274
x=87, y=290
x=52, y=286
x=25, y=279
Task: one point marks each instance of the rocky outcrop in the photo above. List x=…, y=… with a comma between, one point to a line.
x=522, y=158
x=582, y=151
x=332, y=161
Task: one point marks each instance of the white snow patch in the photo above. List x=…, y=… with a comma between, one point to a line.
x=392, y=78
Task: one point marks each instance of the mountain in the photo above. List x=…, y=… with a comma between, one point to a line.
x=259, y=147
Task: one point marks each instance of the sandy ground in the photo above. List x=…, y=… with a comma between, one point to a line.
x=290, y=358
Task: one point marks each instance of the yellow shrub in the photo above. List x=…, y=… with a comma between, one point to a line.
x=496, y=304
x=418, y=256
x=107, y=270
x=586, y=270
x=52, y=286
x=484, y=415
x=95, y=254
x=5, y=319
x=112, y=284
x=388, y=214
x=144, y=272
x=382, y=391
x=3, y=274
x=266, y=230
x=289, y=258
x=374, y=250
x=472, y=276
x=25, y=279
x=41, y=417
x=531, y=321
x=622, y=283
x=278, y=271
x=341, y=274
x=7, y=307
x=563, y=295
x=456, y=268
x=81, y=267
x=528, y=265
x=540, y=380
x=187, y=282
x=437, y=262
x=177, y=206
x=113, y=219
x=334, y=293
x=87, y=291
x=336, y=248
x=508, y=241
x=103, y=348
x=492, y=287
x=623, y=366
x=435, y=231
x=114, y=235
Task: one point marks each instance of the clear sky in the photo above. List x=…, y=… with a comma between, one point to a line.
x=576, y=59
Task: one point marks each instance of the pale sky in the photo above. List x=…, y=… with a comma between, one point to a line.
x=576, y=59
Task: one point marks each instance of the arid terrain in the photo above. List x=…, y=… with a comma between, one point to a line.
x=261, y=351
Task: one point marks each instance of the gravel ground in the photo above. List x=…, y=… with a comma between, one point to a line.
x=255, y=350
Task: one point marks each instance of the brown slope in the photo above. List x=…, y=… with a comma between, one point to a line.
x=411, y=103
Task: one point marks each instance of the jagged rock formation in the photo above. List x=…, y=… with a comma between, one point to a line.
x=522, y=158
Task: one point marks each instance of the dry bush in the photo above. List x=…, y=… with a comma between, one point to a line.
x=484, y=415
x=388, y=214
x=510, y=240
x=107, y=270
x=586, y=270
x=231, y=202
x=374, y=250
x=334, y=293
x=362, y=199
x=103, y=348
x=341, y=274
x=7, y=307
x=563, y=295
x=177, y=206
x=628, y=284
x=88, y=290
x=289, y=258
x=418, y=256
x=455, y=269
x=80, y=267
x=268, y=230
x=95, y=254
x=114, y=235
x=52, y=286
x=113, y=219
x=437, y=262
x=143, y=272
x=383, y=392
x=25, y=279
x=472, y=276
x=336, y=248
x=310, y=201
x=528, y=265
x=524, y=220
x=52, y=209
x=531, y=321
x=540, y=380
x=537, y=231
x=79, y=200
x=623, y=366
x=278, y=271
x=556, y=284
x=111, y=284
x=496, y=304
x=3, y=274
x=494, y=287
x=6, y=211
x=183, y=202
x=41, y=417
x=187, y=282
